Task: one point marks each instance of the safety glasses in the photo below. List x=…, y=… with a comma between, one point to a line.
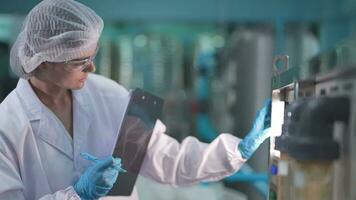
x=82, y=64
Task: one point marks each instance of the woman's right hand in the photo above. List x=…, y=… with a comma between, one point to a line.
x=98, y=179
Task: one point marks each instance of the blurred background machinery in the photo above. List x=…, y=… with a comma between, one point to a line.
x=313, y=119
x=212, y=62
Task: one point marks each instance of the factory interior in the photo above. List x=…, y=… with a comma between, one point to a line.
x=214, y=62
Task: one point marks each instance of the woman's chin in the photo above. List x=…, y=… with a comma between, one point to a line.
x=78, y=86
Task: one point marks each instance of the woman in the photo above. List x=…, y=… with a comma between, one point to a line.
x=60, y=110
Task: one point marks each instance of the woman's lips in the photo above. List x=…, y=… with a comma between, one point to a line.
x=83, y=79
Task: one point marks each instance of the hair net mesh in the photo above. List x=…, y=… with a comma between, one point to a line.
x=54, y=31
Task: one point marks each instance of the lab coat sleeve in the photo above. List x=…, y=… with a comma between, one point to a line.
x=11, y=186
x=169, y=162
x=67, y=194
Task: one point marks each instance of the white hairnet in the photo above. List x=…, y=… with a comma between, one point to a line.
x=54, y=31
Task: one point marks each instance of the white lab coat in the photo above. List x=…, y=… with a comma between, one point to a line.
x=39, y=159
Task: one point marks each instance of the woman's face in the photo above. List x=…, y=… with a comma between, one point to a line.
x=68, y=75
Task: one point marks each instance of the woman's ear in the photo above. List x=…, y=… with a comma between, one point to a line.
x=40, y=69
x=43, y=66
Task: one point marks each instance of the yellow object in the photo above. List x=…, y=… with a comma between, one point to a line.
x=311, y=180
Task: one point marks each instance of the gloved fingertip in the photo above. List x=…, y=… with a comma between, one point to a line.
x=105, y=163
x=101, y=191
x=242, y=151
x=118, y=167
x=122, y=170
x=116, y=162
x=267, y=102
x=267, y=131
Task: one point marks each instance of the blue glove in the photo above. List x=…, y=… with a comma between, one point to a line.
x=98, y=179
x=258, y=133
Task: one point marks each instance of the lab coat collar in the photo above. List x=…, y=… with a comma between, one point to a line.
x=81, y=123
x=81, y=119
x=32, y=103
x=35, y=111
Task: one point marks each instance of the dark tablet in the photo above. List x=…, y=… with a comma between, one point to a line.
x=135, y=133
